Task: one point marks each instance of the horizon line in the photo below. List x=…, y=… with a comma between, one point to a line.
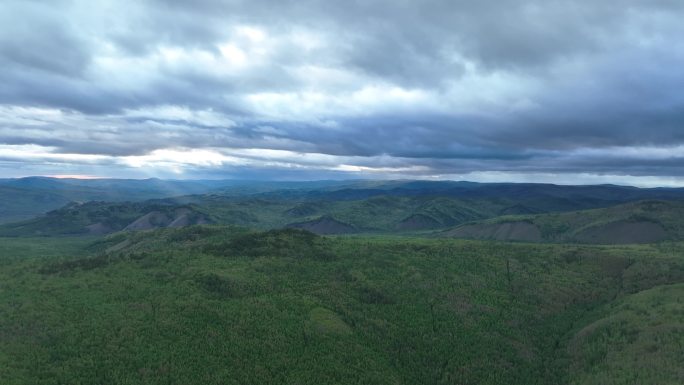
x=351, y=180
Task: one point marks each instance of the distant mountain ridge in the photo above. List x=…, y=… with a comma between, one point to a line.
x=365, y=206
x=25, y=198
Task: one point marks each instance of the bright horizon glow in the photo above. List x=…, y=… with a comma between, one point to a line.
x=484, y=178
x=73, y=176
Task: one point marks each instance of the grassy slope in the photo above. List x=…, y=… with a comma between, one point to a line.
x=220, y=305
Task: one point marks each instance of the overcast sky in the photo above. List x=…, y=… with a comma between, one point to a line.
x=488, y=90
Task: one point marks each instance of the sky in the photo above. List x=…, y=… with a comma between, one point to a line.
x=569, y=92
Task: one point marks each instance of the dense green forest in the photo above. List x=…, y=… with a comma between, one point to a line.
x=414, y=283
x=228, y=305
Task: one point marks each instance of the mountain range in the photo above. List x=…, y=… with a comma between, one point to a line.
x=502, y=211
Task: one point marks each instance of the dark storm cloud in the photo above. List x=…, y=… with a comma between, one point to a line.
x=431, y=87
x=35, y=40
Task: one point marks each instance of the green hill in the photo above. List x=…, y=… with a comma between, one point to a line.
x=226, y=305
x=26, y=198
x=403, y=205
x=638, y=222
x=373, y=215
x=18, y=204
x=378, y=214
x=97, y=218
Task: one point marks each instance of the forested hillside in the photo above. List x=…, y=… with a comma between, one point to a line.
x=218, y=305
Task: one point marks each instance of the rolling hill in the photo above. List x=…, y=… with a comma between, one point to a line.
x=522, y=212
x=17, y=204
x=380, y=214
x=637, y=222
x=25, y=198
x=98, y=218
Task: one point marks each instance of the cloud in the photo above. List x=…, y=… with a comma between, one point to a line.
x=379, y=88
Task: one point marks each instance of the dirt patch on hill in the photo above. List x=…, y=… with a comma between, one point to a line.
x=99, y=229
x=507, y=231
x=623, y=232
x=323, y=226
x=418, y=222
x=119, y=246
x=149, y=221
x=157, y=219
x=181, y=221
x=188, y=219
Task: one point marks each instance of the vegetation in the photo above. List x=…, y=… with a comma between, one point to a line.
x=26, y=198
x=261, y=300
x=377, y=214
x=638, y=341
x=636, y=222
x=365, y=206
x=97, y=218
x=226, y=305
